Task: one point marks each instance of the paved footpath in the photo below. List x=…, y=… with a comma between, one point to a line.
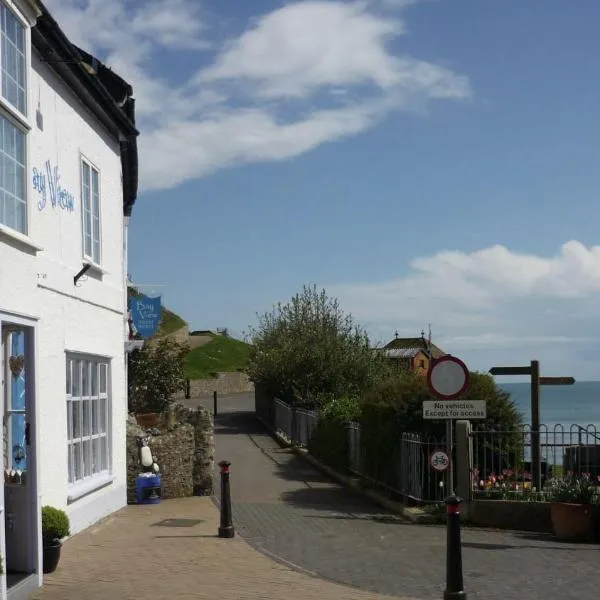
x=171, y=551
x=289, y=511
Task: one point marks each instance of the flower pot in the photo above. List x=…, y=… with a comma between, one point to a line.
x=572, y=522
x=147, y=420
x=51, y=556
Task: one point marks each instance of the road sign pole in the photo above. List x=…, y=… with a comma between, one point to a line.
x=448, y=379
x=536, y=450
x=449, y=441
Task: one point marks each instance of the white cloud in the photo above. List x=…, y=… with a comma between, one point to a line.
x=300, y=76
x=493, y=303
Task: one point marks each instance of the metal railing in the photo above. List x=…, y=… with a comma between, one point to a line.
x=408, y=472
x=502, y=459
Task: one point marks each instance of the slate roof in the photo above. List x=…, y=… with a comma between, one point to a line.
x=105, y=94
x=410, y=347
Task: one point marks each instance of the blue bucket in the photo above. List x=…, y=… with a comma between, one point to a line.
x=148, y=489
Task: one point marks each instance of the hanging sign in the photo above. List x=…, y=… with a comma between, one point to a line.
x=145, y=315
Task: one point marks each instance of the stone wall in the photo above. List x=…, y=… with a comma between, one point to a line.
x=183, y=446
x=224, y=384
x=517, y=515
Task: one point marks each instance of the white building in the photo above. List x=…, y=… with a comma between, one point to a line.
x=68, y=182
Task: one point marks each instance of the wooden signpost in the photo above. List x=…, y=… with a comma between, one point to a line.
x=533, y=370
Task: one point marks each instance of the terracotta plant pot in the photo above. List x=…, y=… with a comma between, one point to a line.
x=572, y=522
x=147, y=420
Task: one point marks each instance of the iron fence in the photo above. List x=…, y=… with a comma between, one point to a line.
x=295, y=424
x=408, y=471
x=283, y=418
x=502, y=459
x=304, y=423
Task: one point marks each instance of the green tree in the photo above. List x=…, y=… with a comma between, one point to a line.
x=155, y=374
x=395, y=406
x=405, y=392
x=310, y=350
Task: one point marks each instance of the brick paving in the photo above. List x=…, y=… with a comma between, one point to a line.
x=171, y=551
x=285, y=508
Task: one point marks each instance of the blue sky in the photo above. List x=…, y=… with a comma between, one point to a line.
x=431, y=161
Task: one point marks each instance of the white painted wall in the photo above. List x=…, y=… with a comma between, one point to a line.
x=89, y=318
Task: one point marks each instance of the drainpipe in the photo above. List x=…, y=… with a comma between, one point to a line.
x=125, y=263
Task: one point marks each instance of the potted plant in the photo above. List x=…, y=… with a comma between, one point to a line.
x=573, y=497
x=55, y=527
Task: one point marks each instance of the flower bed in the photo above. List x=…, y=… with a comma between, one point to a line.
x=508, y=501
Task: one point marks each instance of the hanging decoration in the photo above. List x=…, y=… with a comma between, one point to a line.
x=16, y=364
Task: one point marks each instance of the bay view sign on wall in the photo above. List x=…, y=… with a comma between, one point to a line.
x=46, y=182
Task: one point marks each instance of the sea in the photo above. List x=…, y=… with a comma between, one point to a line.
x=577, y=404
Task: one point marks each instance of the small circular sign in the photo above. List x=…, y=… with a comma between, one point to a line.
x=448, y=377
x=439, y=460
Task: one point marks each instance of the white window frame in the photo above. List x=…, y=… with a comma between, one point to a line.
x=21, y=121
x=86, y=480
x=94, y=260
x=27, y=39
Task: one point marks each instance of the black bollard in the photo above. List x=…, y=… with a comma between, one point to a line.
x=454, y=571
x=226, y=528
x=215, y=403
x=188, y=391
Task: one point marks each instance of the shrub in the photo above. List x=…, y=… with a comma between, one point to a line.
x=310, y=350
x=395, y=406
x=55, y=525
x=329, y=440
x=155, y=374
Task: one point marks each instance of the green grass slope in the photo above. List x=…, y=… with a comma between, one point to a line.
x=170, y=322
x=219, y=355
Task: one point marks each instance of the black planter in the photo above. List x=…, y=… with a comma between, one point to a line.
x=51, y=556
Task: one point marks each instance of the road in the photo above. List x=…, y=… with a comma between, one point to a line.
x=291, y=512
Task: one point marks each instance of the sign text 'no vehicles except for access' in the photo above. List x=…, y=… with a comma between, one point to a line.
x=454, y=409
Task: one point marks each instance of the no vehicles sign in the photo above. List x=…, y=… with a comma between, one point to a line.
x=454, y=409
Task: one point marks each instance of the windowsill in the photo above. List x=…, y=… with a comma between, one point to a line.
x=20, y=238
x=79, y=490
x=95, y=267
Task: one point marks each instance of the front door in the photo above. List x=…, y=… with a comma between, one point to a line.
x=20, y=502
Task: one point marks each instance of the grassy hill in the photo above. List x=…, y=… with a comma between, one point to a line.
x=210, y=353
x=170, y=322
x=219, y=355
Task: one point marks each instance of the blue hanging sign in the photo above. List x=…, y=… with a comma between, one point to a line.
x=145, y=315
x=46, y=182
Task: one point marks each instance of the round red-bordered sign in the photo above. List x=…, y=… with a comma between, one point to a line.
x=448, y=377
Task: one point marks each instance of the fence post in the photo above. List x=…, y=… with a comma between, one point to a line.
x=293, y=426
x=464, y=459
